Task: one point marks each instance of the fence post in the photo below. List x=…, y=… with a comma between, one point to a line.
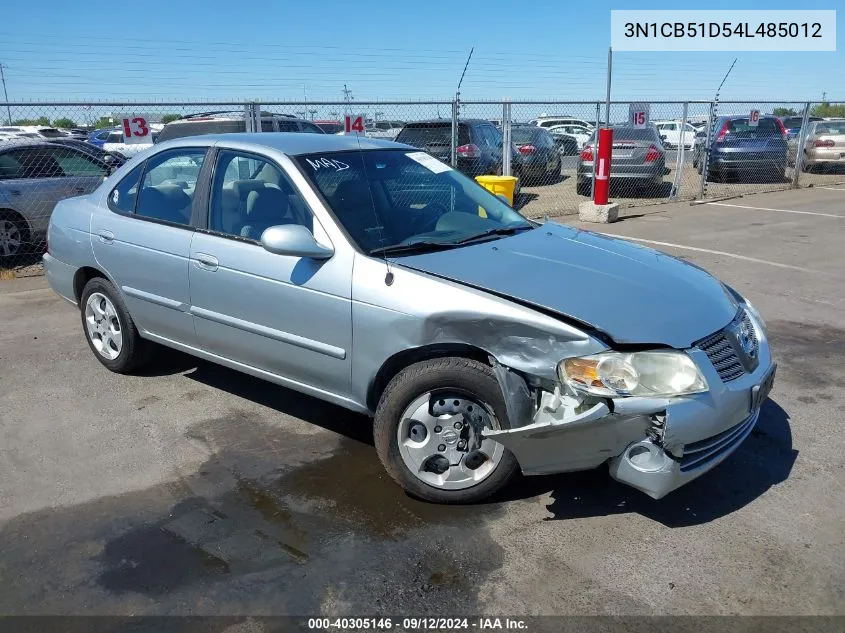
x=454, y=152
x=705, y=155
x=595, y=151
x=679, y=161
x=799, y=152
x=252, y=116
x=506, y=138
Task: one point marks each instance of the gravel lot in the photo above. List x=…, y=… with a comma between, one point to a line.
x=197, y=490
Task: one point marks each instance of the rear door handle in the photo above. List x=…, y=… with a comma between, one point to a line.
x=80, y=189
x=207, y=262
x=15, y=192
x=106, y=237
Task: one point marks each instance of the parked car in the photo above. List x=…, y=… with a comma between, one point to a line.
x=578, y=133
x=99, y=137
x=672, y=136
x=115, y=144
x=824, y=146
x=330, y=127
x=793, y=133
x=479, y=150
x=551, y=121
x=33, y=131
x=384, y=129
x=232, y=122
x=361, y=272
x=737, y=148
x=637, y=159
x=34, y=176
x=540, y=155
x=112, y=160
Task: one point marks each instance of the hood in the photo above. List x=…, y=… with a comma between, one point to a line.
x=634, y=294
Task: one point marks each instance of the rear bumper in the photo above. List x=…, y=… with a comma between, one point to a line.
x=749, y=163
x=817, y=156
x=60, y=276
x=653, y=172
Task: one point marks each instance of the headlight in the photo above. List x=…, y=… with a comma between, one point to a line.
x=657, y=373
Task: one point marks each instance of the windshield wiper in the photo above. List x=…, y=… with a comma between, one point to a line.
x=501, y=230
x=422, y=246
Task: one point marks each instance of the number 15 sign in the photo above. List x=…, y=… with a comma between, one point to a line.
x=638, y=114
x=136, y=131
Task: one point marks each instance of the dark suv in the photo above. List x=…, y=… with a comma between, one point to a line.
x=737, y=148
x=231, y=122
x=479, y=150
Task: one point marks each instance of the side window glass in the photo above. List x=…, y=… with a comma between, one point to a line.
x=122, y=197
x=250, y=194
x=10, y=166
x=169, y=182
x=75, y=163
x=267, y=125
x=288, y=126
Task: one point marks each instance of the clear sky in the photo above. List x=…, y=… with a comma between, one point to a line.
x=284, y=50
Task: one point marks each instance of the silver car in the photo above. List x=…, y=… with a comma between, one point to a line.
x=34, y=176
x=371, y=275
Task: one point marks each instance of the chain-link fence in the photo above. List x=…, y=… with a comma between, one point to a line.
x=688, y=150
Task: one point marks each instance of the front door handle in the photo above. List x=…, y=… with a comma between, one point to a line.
x=80, y=189
x=15, y=192
x=106, y=237
x=206, y=261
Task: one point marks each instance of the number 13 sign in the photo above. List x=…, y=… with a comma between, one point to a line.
x=136, y=131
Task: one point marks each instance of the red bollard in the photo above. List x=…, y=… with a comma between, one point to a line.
x=602, y=165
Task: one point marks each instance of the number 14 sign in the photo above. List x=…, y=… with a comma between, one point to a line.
x=353, y=124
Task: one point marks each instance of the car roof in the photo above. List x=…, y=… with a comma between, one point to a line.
x=440, y=121
x=290, y=143
x=15, y=142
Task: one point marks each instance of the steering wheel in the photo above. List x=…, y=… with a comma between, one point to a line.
x=427, y=218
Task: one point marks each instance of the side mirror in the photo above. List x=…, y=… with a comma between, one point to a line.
x=293, y=239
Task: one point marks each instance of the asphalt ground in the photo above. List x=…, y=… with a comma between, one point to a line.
x=193, y=489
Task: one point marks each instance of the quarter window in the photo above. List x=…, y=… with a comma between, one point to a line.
x=250, y=194
x=122, y=198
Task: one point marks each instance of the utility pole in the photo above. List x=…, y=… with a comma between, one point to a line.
x=5, y=94
x=347, y=97
x=824, y=93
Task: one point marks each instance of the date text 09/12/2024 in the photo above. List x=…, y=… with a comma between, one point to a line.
x=723, y=29
x=417, y=624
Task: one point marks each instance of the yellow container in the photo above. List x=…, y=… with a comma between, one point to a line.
x=496, y=185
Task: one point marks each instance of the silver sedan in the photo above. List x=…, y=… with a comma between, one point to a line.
x=371, y=275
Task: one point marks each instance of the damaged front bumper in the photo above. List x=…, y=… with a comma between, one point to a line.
x=653, y=444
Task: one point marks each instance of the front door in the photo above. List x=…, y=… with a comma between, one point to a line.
x=144, y=242
x=288, y=316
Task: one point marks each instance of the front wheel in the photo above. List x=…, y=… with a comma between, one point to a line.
x=428, y=431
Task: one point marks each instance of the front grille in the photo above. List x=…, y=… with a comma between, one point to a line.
x=698, y=454
x=723, y=356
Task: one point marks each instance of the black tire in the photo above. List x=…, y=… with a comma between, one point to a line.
x=461, y=374
x=583, y=188
x=19, y=232
x=134, y=351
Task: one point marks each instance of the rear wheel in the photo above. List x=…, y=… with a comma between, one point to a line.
x=428, y=431
x=109, y=329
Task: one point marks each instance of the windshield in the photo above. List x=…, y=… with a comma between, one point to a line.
x=390, y=198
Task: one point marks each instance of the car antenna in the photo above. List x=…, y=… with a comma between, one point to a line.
x=388, y=278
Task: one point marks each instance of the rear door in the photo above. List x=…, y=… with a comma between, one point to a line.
x=144, y=239
x=83, y=173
